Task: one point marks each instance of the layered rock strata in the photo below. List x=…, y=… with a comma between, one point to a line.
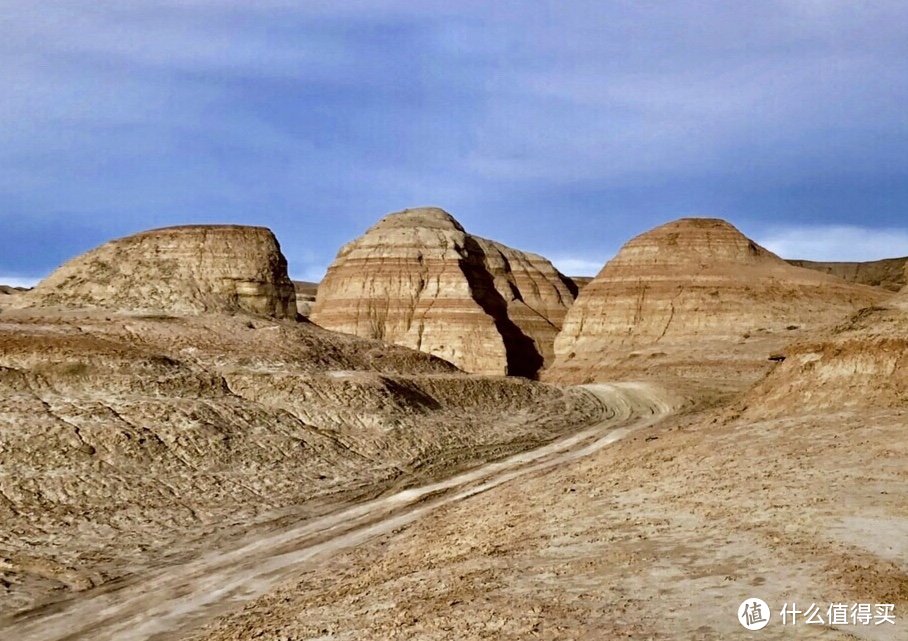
x=889, y=273
x=418, y=279
x=697, y=299
x=305, y=296
x=861, y=362
x=179, y=270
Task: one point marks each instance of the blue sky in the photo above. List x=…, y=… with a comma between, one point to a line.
x=561, y=128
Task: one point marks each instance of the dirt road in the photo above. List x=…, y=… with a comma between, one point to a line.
x=172, y=602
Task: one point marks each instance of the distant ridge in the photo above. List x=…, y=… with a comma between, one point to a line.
x=889, y=273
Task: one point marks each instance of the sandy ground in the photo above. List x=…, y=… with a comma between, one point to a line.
x=130, y=443
x=659, y=536
x=171, y=602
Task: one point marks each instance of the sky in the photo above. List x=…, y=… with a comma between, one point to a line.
x=563, y=128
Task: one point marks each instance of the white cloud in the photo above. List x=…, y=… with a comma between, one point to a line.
x=575, y=266
x=836, y=242
x=18, y=281
x=309, y=273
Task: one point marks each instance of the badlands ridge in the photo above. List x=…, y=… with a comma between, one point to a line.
x=163, y=398
x=695, y=299
x=160, y=389
x=191, y=269
x=419, y=280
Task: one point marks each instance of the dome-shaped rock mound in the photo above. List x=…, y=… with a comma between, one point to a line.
x=695, y=299
x=179, y=270
x=417, y=279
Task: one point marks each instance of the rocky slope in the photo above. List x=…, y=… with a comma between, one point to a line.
x=698, y=300
x=418, y=279
x=800, y=489
x=182, y=270
x=890, y=273
x=123, y=438
x=861, y=362
x=9, y=295
x=129, y=440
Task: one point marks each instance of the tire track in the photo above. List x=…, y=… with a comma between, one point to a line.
x=172, y=602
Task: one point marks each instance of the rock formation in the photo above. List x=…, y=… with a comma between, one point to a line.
x=418, y=279
x=581, y=281
x=305, y=296
x=889, y=273
x=178, y=270
x=9, y=295
x=8, y=290
x=861, y=362
x=695, y=299
x=123, y=435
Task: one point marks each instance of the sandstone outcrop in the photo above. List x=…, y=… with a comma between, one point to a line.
x=177, y=270
x=305, y=296
x=698, y=300
x=889, y=273
x=581, y=281
x=861, y=362
x=418, y=279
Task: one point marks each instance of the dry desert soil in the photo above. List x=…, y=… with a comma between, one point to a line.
x=183, y=456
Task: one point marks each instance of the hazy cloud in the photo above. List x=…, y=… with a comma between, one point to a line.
x=578, y=266
x=837, y=243
x=18, y=281
x=561, y=128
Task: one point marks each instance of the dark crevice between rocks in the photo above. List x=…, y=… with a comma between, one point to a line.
x=570, y=284
x=523, y=358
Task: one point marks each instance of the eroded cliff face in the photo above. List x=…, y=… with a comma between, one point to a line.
x=889, y=273
x=305, y=296
x=418, y=279
x=695, y=299
x=861, y=362
x=179, y=270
